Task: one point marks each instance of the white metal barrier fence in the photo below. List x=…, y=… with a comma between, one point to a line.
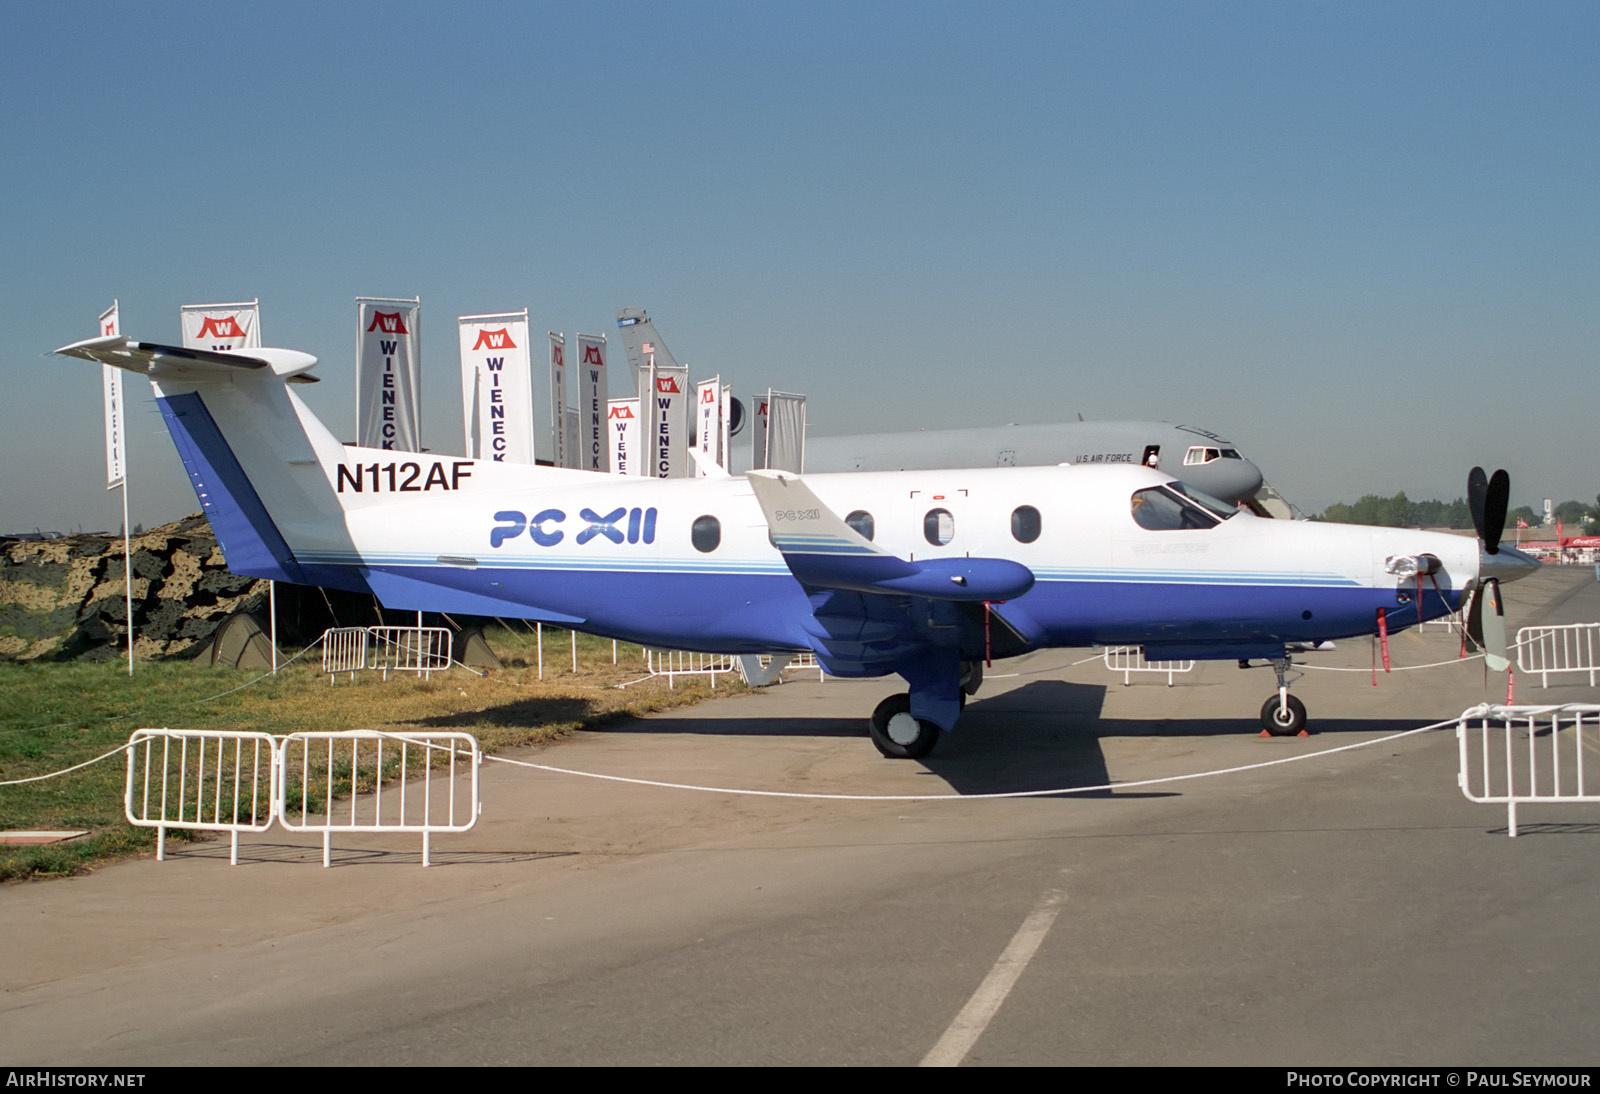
x=353, y=781
x=1130, y=659
x=675, y=663
x=422, y=650
x=202, y=780
x=1569, y=648
x=807, y=661
x=344, y=649
x=1536, y=754
x=420, y=771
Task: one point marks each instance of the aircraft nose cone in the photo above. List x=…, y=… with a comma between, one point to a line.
x=1229, y=480
x=1507, y=564
x=1253, y=480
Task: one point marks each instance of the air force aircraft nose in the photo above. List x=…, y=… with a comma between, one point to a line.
x=1232, y=478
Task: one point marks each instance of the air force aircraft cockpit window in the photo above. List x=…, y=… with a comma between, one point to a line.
x=1176, y=507
x=1200, y=454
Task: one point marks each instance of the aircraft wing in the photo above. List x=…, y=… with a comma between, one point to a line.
x=823, y=552
x=874, y=612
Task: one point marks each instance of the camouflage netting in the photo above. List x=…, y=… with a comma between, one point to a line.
x=62, y=599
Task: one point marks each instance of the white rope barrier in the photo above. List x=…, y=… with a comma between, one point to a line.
x=972, y=797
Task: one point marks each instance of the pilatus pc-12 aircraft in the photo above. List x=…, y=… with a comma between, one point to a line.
x=925, y=574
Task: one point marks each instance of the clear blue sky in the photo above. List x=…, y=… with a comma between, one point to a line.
x=1360, y=239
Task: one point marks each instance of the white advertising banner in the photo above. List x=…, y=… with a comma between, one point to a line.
x=558, y=399
x=665, y=392
x=622, y=423
x=758, y=435
x=708, y=403
x=593, y=451
x=496, y=387
x=111, y=381
x=221, y=326
x=727, y=427
x=786, y=431
x=388, y=373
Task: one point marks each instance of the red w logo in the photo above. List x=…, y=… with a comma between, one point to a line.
x=623, y=412
x=495, y=339
x=558, y=355
x=389, y=322
x=707, y=396
x=667, y=385
x=591, y=356
x=225, y=326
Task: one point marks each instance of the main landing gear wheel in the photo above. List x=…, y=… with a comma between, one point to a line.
x=898, y=734
x=1280, y=723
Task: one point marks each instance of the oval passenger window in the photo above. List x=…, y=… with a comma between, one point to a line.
x=706, y=534
x=1025, y=524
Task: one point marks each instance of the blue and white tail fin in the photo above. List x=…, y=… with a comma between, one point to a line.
x=290, y=515
x=228, y=410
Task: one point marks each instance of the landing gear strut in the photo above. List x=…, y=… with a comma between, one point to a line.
x=1283, y=715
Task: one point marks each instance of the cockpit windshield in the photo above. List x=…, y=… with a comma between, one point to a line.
x=1221, y=508
x=1177, y=506
x=1200, y=454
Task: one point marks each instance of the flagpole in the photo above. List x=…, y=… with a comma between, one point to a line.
x=127, y=567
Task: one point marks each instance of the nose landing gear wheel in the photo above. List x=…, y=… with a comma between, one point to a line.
x=899, y=735
x=1276, y=722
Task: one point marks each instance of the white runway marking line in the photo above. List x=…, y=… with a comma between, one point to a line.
x=974, y=1018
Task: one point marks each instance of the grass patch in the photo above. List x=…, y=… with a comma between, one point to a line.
x=53, y=716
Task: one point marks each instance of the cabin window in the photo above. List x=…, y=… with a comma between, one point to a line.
x=861, y=523
x=706, y=534
x=939, y=527
x=1199, y=454
x=1025, y=524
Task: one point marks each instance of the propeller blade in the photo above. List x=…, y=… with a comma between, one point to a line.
x=1477, y=490
x=1495, y=500
x=1494, y=628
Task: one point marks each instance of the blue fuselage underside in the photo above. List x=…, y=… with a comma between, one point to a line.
x=763, y=613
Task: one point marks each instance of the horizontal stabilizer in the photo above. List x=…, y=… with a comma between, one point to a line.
x=824, y=552
x=181, y=363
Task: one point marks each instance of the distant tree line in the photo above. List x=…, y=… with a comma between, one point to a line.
x=1401, y=512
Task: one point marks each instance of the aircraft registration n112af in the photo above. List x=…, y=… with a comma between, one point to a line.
x=926, y=574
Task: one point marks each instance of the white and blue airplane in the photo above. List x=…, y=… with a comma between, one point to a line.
x=926, y=574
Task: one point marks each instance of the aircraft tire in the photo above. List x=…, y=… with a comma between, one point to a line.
x=927, y=734
x=1272, y=717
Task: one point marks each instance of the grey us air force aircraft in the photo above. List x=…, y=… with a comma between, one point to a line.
x=1197, y=456
x=928, y=574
